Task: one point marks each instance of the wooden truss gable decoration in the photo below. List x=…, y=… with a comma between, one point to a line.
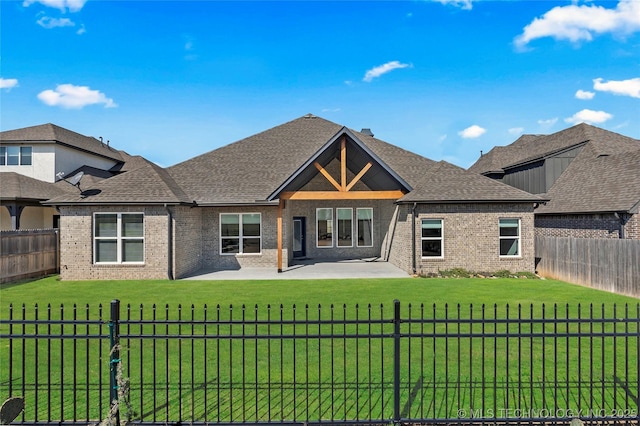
x=343, y=188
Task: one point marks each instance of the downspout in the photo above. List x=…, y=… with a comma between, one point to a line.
x=170, y=243
x=621, y=218
x=414, y=267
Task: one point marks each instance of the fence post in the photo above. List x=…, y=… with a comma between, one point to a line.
x=114, y=360
x=396, y=361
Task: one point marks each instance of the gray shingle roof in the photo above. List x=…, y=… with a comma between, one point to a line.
x=147, y=184
x=593, y=184
x=14, y=186
x=604, y=176
x=250, y=170
x=50, y=133
x=533, y=147
x=449, y=183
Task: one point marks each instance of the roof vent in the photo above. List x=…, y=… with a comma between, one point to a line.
x=367, y=131
x=309, y=116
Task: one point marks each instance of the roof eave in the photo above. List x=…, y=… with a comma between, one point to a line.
x=489, y=201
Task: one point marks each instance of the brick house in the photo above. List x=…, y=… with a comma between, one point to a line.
x=309, y=188
x=591, y=177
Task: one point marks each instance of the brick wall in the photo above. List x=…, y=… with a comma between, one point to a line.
x=605, y=225
x=632, y=227
x=76, y=244
x=187, y=237
x=211, y=257
x=470, y=240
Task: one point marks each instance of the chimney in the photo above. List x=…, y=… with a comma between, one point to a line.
x=367, y=131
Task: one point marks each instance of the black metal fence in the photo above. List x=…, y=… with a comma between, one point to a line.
x=313, y=364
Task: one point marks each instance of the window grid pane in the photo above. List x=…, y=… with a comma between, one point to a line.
x=365, y=227
x=25, y=155
x=344, y=227
x=431, y=237
x=119, y=237
x=324, y=227
x=509, y=236
x=240, y=233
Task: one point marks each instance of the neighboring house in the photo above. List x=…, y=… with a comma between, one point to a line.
x=32, y=161
x=590, y=175
x=309, y=188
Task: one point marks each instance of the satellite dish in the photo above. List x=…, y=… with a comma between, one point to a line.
x=75, y=180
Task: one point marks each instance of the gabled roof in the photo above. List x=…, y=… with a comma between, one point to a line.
x=148, y=184
x=449, y=183
x=529, y=148
x=603, y=177
x=50, y=133
x=254, y=168
x=379, y=177
x=596, y=184
x=17, y=187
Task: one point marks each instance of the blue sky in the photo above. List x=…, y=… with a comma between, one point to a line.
x=173, y=79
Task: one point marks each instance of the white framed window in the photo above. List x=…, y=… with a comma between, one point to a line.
x=365, y=226
x=16, y=155
x=240, y=233
x=432, y=238
x=118, y=238
x=344, y=216
x=324, y=228
x=509, y=237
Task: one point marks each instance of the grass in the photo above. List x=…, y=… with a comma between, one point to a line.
x=351, y=292
x=222, y=377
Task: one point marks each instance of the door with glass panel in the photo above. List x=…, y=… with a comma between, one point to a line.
x=299, y=237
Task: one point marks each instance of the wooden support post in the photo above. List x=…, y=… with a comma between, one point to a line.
x=280, y=208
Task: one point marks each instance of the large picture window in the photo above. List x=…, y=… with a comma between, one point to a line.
x=509, y=237
x=345, y=227
x=118, y=238
x=432, y=238
x=365, y=227
x=324, y=227
x=15, y=156
x=240, y=233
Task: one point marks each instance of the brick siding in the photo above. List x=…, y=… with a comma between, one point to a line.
x=76, y=244
x=471, y=238
x=605, y=225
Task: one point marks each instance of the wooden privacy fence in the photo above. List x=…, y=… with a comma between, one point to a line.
x=28, y=253
x=605, y=264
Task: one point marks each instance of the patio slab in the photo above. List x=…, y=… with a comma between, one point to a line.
x=309, y=269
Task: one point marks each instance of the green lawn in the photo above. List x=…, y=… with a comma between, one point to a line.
x=226, y=376
x=410, y=290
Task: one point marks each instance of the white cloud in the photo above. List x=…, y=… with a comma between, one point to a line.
x=548, y=122
x=70, y=96
x=472, y=132
x=8, y=83
x=442, y=138
x=584, y=95
x=383, y=69
x=576, y=23
x=462, y=4
x=629, y=87
x=48, y=22
x=589, y=116
x=516, y=131
x=63, y=5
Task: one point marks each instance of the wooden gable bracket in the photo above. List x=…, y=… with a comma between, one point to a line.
x=343, y=186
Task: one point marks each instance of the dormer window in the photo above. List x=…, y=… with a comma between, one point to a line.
x=15, y=155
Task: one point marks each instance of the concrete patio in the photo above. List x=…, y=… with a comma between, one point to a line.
x=309, y=269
